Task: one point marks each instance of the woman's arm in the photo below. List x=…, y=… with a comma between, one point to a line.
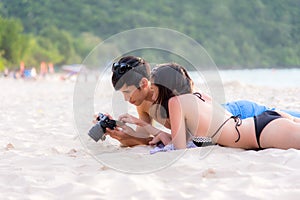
x=177, y=121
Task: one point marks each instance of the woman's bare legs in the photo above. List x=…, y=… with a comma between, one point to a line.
x=281, y=133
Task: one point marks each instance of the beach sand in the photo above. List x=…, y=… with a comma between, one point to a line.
x=42, y=156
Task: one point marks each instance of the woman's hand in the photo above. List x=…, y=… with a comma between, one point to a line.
x=127, y=118
x=163, y=137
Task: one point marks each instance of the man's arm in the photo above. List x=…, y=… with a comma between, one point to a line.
x=143, y=128
x=127, y=139
x=144, y=131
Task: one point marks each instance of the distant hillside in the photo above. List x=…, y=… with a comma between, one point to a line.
x=247, y=33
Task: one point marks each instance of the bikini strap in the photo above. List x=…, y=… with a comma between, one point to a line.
x=237, y=121
x=199, y=96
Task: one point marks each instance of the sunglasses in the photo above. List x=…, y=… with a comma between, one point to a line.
x=121, y=68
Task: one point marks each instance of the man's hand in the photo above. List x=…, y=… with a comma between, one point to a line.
x=127, y=118
x=125, y=136
x=95, y=120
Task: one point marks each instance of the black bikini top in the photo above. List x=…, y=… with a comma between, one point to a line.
x=236, y=119
x=199, y=96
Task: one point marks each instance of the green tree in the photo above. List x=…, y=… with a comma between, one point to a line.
x=241, y=33
x=60, y=40
x=13, y=42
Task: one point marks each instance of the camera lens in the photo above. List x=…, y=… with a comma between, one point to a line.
x=96, y=132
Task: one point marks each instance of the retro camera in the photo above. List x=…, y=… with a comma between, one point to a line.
x=98, y=130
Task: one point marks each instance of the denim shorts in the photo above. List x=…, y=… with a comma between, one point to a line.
x=246, y=109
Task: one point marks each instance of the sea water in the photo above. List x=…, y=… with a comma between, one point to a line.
x=257, y=77
x=278, y=78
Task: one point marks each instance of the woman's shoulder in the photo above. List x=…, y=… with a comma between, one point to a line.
x=187, y=96
x=182, y=98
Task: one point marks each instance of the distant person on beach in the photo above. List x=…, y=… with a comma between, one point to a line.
x=190, y=116
x=136, y=89
x=6, y=72
x=33, y=73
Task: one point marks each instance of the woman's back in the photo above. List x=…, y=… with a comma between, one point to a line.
x=204, y=119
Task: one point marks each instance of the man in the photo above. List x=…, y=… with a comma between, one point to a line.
x=131, y=77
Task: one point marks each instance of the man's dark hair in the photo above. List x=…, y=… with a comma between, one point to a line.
x=129, y=70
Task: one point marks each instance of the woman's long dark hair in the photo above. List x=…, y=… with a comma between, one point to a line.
x=172, y=80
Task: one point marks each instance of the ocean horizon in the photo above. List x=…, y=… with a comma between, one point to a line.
x=259, y=77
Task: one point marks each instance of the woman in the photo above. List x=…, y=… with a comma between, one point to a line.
x=190, y=116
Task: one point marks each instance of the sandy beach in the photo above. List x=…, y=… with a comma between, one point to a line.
x=42, y=156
